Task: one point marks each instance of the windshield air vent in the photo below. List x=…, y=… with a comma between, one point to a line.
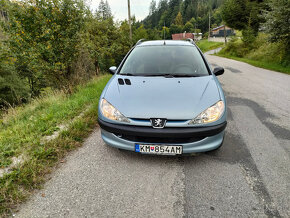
x=127, y=81
x=121, y=81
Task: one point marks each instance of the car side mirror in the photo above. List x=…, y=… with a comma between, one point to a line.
x=218, y=71
x=112, y=70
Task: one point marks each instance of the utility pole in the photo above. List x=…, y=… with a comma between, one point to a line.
x=164, y=28
x=225, y=34
x=129, y=20
x=196, y=16
x=208, y=25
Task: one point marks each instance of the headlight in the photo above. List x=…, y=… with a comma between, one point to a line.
x=110, y=112
x=211, y=114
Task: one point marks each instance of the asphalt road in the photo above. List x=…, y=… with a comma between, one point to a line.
x=248, y=177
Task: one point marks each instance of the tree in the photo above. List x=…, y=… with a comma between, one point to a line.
x=104, y=10
x=101, y=34
x=153, y=13
x=57, y=44
x=152, y=7
x=189, y=10
x=175, y=29
x=166, y=33
x=178, y=19
x=277, y=21
x=44, y=37
x=163, y=19
x=174, y=8
x=13, y=89
x=243, y=15
x=235, y=13
x=192, y=21
x=167, y=11
x=188, y=27
x=216, y=17
x=154, y=34
x=140, y=33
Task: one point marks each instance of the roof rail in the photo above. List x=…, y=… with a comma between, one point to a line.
x=140, y=41
x=190, y=40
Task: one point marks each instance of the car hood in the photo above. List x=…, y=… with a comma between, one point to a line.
x=159, y=97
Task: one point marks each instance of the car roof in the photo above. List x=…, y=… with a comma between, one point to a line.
x=167, y=42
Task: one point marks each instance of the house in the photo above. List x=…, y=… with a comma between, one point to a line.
x=180, y=36
x=220, y=31
x=197, y=36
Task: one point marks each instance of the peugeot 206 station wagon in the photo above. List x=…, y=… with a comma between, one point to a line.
x=163, y=99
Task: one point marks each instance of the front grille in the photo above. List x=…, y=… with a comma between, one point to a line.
x=160, y=140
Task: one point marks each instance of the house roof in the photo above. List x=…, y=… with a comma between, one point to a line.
x=218, y=27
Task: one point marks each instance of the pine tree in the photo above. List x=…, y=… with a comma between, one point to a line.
x=178, y=19
x=276, y=21
x=152, y=8
x=243, y=15
x=104, y=10
x=108, y=10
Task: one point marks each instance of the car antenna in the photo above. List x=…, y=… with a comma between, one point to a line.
x=164, y=33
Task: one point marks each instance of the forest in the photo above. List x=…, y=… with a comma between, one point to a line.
x=188, y=15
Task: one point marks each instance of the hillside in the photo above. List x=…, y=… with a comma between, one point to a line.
x=184, y=15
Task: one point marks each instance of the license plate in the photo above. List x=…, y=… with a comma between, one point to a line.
x=158, y=149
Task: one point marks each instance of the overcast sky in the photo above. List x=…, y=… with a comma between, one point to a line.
x=139, y=8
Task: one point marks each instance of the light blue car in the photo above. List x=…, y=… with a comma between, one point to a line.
x=163, y=99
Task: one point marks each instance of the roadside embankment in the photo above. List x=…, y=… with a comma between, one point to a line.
x=35, y=137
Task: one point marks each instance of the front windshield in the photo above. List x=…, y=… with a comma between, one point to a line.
x=164, y=60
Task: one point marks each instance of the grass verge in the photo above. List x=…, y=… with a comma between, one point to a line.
x=262, y=64
x=22, y=130
x=259, y=52
x=206, y=45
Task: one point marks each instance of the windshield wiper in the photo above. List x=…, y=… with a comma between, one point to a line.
x=168, y=75
x=184, y=75
x=151, y=75
x=127, y=74
x=179, y=75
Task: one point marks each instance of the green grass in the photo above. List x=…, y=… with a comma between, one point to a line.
x=22, y=130
x=206, y=45
x=262, y=64
x=260, y=53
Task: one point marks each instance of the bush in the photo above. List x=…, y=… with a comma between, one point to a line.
x=235, y=47
x=269, y=52
x=260, y=50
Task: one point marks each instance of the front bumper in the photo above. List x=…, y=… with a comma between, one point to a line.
x=193, y=139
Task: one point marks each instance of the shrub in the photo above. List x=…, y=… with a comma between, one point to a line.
x=235, y=47
x=260, y=50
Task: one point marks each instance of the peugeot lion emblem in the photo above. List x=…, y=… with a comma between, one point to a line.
x=158, y=123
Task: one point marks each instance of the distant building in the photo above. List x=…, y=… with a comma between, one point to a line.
x=180, y=36
x=220, y=31
x=197, y=36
